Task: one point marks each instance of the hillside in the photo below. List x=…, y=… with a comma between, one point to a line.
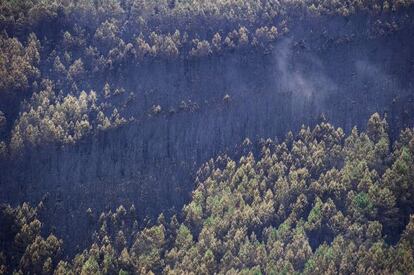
x=319, y=202
x=138, y=103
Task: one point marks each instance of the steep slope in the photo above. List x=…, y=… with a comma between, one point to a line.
x=320, y=201
x=187, y=111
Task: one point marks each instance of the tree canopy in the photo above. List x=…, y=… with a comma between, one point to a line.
x=318, y=202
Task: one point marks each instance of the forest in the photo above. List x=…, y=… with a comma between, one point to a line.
x=320, y=202
x=206, y=137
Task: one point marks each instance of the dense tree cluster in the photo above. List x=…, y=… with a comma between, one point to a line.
x=50, y=118
x=22, y=246
x=146, y=15
x=18, y=63
x=319, y=202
